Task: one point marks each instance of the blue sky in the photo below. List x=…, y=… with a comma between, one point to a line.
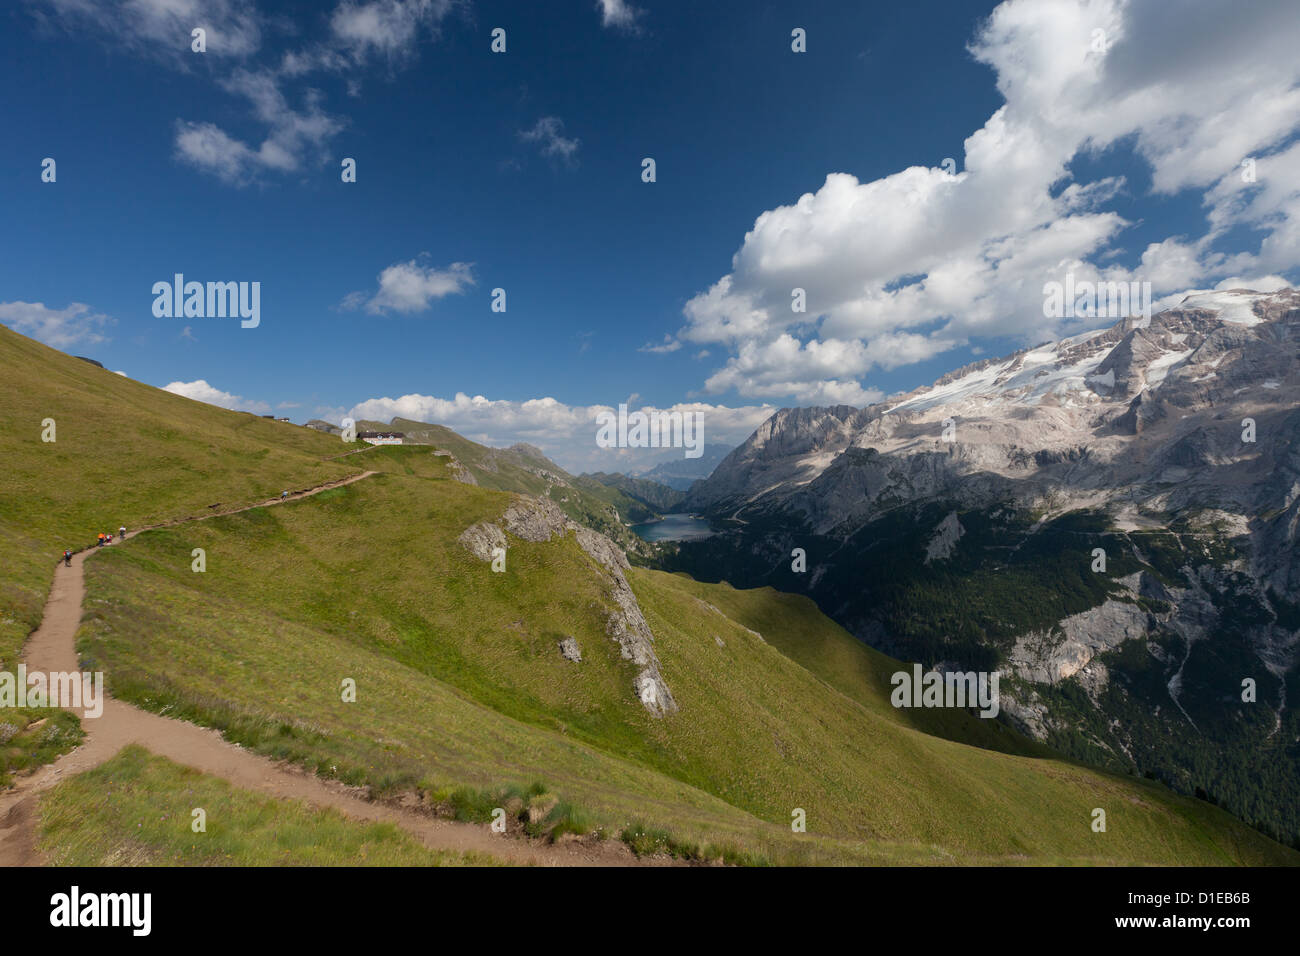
x=522, y=171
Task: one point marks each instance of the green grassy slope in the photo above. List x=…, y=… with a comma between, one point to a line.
x=793, y=625
x=585, y=500
x=651, y=493
x=459, y=679
x=137, y=810
x=460, y=682
x=32, y=736
x=1012, y=575
x=124, y=454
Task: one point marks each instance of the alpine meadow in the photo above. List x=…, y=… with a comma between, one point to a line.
x=633, y=435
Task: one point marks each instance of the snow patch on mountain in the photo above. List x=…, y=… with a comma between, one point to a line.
x=1236, y=306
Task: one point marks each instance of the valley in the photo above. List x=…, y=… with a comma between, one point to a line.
x=466, y=699
x=1110, y=520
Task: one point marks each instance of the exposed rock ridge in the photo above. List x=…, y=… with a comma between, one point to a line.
x=458, y=471
x=539, y=520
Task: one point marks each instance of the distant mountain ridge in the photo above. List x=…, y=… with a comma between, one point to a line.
x=652, y=494
x=1084, y=398
x=682, y=473
x=1172, y=446
x=525, y=687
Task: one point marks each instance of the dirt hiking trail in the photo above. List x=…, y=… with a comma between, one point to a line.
x=52, y=647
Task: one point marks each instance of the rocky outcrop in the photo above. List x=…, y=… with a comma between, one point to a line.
x=481, y=539
x=1026, y=712
x=626, y=623
x=944, y=541
x=535, y=519
x=462, y=474
x=1064, y=650
x=1175, y=440
x=791, y=446
x=540, y=520
x=458, y=471
x=1094, y=412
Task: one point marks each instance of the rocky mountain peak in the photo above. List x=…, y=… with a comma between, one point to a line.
x=1093, y=410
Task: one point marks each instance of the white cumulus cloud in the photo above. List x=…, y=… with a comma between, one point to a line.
x=201, y=391
x=619, y=14
x=74, y=324
x=566, y=433
x=161, y=29
x=389, y=28
x=295, y=128
x=412, y=287
x=905, y=267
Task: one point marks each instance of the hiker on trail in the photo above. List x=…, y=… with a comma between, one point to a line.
x=101, y=540
x=67, y=558
x=109, y=538
x=121, y=532
x=283, y=495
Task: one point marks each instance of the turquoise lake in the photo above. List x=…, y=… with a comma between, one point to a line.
x=677, y=527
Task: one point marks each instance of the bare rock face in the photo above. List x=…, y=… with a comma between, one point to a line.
x=1142, y=417
x=1067, y=648
x=535, y=519
x=539, y=520
x=458, y=471
x=1185, y=425
x=626, y=623
x=1027, y=713
x=570, y=651
x=1120, y=412
x=791, y=446
x=479, y=539
x=602, y=549
x=944, y=542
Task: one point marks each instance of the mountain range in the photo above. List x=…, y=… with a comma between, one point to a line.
x=1110, y=520
x=682, y=473
x=416, y=643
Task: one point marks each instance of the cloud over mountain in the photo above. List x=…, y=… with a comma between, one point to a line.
x=566, y=433
x=910, y=265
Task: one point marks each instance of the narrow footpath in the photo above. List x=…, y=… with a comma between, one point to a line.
x=52, y=647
